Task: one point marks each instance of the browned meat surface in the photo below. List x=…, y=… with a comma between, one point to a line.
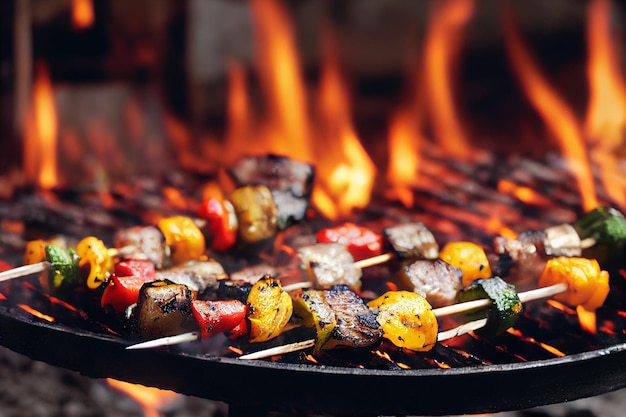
x=143, y=242
x=164, y=309
x=290, y=181
x=356, y=323
x=412, y=241
x=200, y=276
x=437, y=281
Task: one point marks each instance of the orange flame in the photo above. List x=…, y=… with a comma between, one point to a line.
x=346, y=170
x=404, y=146
x=40, y=133
x=606, y=116
x=83, y=15
x=557, y=115
x=151, y=399
x=605, y=123
x=587, y=319
x=443, y=41
x=280, y=75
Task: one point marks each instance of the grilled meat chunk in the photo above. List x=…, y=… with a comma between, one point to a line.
x=200, y=276
x=290, y=181
x=164, y=309
x=518, y=260
x=330, y=264
x=437, y=281
x=143, y=242
x=356, y=324
x=412, y=241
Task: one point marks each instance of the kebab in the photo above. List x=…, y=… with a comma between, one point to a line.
x=343, y=251
x=399, y=313
x=271, y=193
x=174, y=240
x=599, y=234
x=607, y=292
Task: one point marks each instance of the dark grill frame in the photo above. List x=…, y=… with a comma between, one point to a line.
x=319, y=389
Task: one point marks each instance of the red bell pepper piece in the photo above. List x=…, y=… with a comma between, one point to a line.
x=239, y=331
x=361, y=242
x=121, y=292
x=222, y=222
x=217, y=316
x=138, y=267
x=123, y=288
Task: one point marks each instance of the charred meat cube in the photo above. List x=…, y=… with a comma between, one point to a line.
x=437, y=281
x=143, y=242
x=290, y=181
x=253, y=273
x=356, y=324
x=233, y=290
x=412, y=241
x=330, y=264
x=519, y=260
x=562, y=240
x=164, y=309
x=200, y=276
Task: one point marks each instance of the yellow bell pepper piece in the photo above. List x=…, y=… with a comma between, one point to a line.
x=92, y=252
x=270, y=309
x=469, y=257
x=407, y=320
x=588, y=285
x=183, y=237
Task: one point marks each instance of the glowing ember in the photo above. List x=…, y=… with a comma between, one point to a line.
x=36, y=313
x=524, y=194
x=532, y=340
x=443, y=40
x=151, y=399
x=83, y=15
x=558, y=116
x=495, y=225
x=235, y=350
x=560, y=306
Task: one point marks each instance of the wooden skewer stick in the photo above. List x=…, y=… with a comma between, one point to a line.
x=166, y=341
x=374, y=260
x=280, y=350
x=462, y=329
x=363, y=263
x=25, y=270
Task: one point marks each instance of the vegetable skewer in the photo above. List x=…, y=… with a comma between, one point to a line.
x=524, y=297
